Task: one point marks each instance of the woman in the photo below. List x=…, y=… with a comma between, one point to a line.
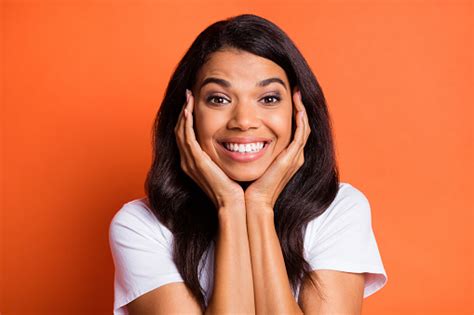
x=244, y=210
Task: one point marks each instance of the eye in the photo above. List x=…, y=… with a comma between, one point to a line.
x=276, y=97
x=212, y=97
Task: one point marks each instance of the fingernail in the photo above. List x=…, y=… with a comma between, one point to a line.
x=187, y=95
x=299, y=93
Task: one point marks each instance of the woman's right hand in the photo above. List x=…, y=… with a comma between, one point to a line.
x=197, y=164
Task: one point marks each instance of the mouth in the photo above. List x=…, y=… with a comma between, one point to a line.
x=244, y=152
x=243, y=148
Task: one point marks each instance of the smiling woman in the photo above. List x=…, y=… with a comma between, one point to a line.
x=244, y=210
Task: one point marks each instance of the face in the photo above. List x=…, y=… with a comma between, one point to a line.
x=234, y=107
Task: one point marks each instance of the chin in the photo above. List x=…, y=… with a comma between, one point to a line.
x=239, y=177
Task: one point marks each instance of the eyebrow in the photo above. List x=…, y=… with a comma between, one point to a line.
x=227, y=84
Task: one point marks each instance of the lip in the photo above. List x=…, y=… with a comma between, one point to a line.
x=244, y=140
x=244, y=157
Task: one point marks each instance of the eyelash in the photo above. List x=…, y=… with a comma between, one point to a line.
x=277, y=97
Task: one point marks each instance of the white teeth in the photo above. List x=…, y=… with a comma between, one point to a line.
x=244, y=148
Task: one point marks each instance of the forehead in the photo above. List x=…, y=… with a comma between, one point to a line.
x=240, y=67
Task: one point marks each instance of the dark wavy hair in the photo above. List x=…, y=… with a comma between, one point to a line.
x=181, y=205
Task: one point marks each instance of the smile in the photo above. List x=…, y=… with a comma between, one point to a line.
x=244, y=147
x=247, y=152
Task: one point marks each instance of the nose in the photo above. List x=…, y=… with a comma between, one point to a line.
x=244, y=116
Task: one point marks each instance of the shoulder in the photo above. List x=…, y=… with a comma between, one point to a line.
x=345, y=221
x=342, y=239
x=136, y=219
x=141, y=249
x=350, y=203
x=349, y=195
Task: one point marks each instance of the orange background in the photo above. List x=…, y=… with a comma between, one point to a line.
x=82, y=81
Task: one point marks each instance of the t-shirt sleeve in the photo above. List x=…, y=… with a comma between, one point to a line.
x=141, y=251
x=345, y=241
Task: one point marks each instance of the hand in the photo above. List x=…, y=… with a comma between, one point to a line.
x=265, y=190
x=199, y=166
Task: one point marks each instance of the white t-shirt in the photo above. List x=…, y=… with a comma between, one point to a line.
x=341, y=239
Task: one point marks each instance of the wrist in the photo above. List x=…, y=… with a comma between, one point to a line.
x=232, y=221
x=259, y=209
x=230, y=200
x=231, y=210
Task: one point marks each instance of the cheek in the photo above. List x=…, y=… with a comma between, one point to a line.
x=281, y=126
x=205, y=126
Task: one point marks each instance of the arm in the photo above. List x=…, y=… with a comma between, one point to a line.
x=343, y=293
x=232, y=272
x=271, y=285
x=272, y=289
x=233, y=285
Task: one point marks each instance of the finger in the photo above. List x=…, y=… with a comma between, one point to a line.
x=301, y=107
x=195, y=153
x=188, y=158
x=181, y=113
x=199, y=159
x=298, y=99
x=299, y=104
x=307, y=131
x=300, y=132
x=189, y=130
x=300, y=140
x=181, y=139
x=179, y=129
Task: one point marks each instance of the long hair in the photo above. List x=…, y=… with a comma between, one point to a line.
x=181, y=205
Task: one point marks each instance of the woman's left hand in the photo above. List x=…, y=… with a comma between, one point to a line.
x=265, y=190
